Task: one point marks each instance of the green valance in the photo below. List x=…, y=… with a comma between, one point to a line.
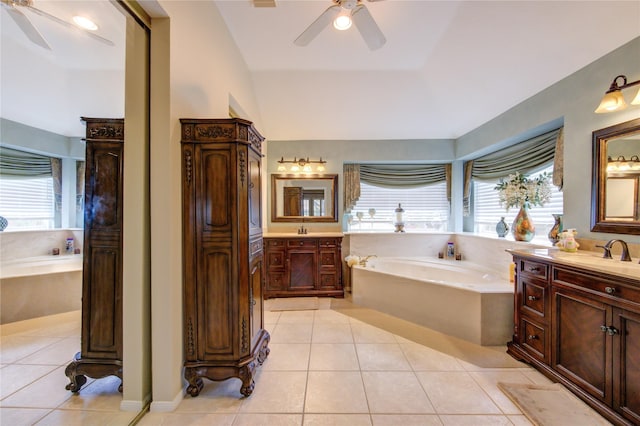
x=20, y=163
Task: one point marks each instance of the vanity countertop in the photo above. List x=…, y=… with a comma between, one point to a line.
x=584, y=259
x=296, y=235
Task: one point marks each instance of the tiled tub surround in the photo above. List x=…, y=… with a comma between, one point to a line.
x=460, y=299
x=35, y=283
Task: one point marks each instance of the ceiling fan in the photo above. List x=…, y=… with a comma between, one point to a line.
x=13, y=8
x=352, y=10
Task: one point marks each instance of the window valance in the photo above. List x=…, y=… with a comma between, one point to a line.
x=20, y=163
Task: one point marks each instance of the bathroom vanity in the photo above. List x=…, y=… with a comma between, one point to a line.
x=304, y=265
x=577, y=320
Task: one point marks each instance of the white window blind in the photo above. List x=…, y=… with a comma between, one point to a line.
x=27, y=202
x=487, y=209
x=425, y=208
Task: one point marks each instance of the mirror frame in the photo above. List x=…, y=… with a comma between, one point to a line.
x=274, y=199
x=598, y=173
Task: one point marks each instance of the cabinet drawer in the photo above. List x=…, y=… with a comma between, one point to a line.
x=533, y=297
x=599, y=285
x=328, y=242
x=275, y=260
x=274, y=243
x=302, y=242
x=533, y=338
x=535, y=269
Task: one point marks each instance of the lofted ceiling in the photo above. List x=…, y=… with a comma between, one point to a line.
x=447, y=66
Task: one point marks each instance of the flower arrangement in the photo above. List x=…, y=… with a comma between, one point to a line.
x=519, y=190
x=352, y=260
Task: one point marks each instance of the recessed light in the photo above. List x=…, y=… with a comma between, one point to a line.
x=85, y=23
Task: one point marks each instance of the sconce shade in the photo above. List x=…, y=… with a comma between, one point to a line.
x=611, y=101
x=636, y=100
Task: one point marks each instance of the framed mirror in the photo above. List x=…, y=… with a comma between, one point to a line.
x=307, y=198
x=615, y=196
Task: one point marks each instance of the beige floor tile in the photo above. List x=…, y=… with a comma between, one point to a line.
x=59, y=353
x=456, y=393
x=333, y=357
x=287, y=357
x=488, y=380
x=331, y=333
x=365, y=333
x=100, y=395
x=405, y=420
x=95, y=418
x=536, y=377
x=215, y=397
x=381, y=357
x=296, y=317
x=422, y=358
x=271, y=317
x=186, y=419
x=47, y=392
x=519, y=420
x=268, y=420
x=395, y=392
x=337, y=420
x=335, y=392
x=16, y=347
x=21, y=416
x=329, y=316
x=14, y=377
x=277, y=392
x=292, y=333
x=474, y=420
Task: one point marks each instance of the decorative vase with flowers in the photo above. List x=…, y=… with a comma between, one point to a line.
x=520, y=191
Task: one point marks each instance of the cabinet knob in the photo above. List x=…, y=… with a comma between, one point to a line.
x=532, y=298
x=609, y=290
x=534, y=269
x=533, y=337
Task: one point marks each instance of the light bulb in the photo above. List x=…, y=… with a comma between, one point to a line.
x=307, y=168
x=342, y=22
x=295, y=168
x=320, y=168
x=282, y=168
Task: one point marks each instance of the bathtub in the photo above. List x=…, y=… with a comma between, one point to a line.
x=458, y=298
x=39, y=286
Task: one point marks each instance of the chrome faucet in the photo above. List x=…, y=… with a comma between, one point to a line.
x=363, y=260
x=625, y=257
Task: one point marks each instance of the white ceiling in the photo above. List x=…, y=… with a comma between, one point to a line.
x=447, y=66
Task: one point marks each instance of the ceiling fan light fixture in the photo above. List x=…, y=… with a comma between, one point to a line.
x=342, y=22
x=84, y=22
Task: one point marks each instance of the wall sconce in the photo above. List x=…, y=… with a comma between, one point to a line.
x=613, y=99
x=304, y=164
x=621, y=164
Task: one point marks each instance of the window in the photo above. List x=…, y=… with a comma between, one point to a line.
x=27, y=202
x=425, y=208
x=487, y=209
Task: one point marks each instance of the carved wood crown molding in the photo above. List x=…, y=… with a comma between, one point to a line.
x=214, y=132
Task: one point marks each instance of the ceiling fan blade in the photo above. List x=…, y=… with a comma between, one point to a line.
x=69, y=25
x=317, y=26
x=27, y=27
x=368, y=28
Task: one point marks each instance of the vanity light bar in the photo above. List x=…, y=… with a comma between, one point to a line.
x=622, y=164
x=301, y=164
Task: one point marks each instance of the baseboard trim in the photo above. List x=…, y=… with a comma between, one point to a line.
x=133, y=405
x=167, y=406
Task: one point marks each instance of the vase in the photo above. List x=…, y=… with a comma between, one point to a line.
x=3, y=223
x=556, y=229
x=502, y=228
x=523, y=228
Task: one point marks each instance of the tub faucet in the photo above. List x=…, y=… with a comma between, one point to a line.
x=625, y=250
x=363, y=260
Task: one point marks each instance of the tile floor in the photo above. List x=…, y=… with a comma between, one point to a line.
x=338, y=365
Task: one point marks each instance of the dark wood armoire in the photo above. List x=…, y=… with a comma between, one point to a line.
x=224, y=335
x=101, y=335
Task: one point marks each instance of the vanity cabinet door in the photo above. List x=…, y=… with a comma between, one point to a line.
x=626, y=372
x=302, y=265
x=582, y=347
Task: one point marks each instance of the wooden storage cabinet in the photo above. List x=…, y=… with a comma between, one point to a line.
x=303, y=266
x=591, y=328
x=222, y=252
x=101, y=340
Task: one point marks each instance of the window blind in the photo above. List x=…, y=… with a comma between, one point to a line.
x=27, y=202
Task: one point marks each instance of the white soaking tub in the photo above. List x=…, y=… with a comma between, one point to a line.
x=458, y=298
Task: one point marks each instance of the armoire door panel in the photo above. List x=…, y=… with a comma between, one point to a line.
x=255, y=176
x=216, y=190
x=102, y=207
x=216, y=289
